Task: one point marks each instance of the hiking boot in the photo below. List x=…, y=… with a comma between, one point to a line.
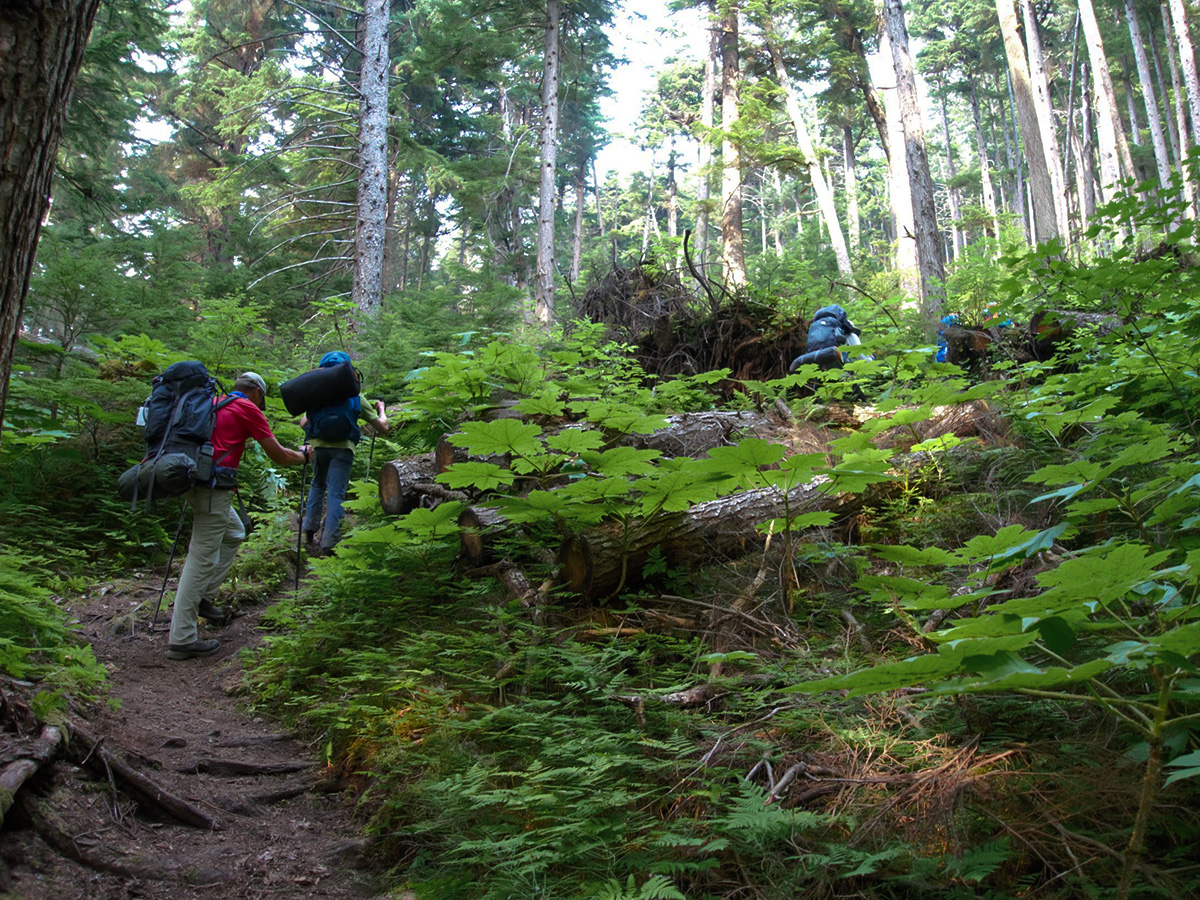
x=211, y=611
x=195, y=648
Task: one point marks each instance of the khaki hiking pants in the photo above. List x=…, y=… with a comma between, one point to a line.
x=216, y=534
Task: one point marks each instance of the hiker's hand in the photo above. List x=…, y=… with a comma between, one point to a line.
x=379, y=407
x=306, y=450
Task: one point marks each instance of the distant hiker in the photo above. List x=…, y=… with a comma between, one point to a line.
x=217, y=529
x=333, y=431
x=830, y=328
x=943, y=347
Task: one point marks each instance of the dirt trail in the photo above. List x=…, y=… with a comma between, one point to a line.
x=290, y=834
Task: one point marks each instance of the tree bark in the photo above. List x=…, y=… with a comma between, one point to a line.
x=1167, y=119
x=1149, y=95
x=408, y=483
x=985, y=165
x=543, y=279
x=371, y=227
x=1045, y=225
x=824, y=193
x=956, y=237
x=1181, y=102
x=577, y=230
x=1045, y=118
x=850, y=175
x=1112, y=146
x=16, y=773
x=929, y=242
x=1187, y=64
x=705, y=155
x=733, y=251
x=43, y=43
x=899, y=190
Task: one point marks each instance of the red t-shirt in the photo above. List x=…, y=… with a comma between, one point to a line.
x=235, y=423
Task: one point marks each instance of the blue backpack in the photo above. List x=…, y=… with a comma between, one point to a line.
x=830, y=328
x=335, y=423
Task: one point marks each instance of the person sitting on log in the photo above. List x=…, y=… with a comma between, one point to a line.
x=333, y=431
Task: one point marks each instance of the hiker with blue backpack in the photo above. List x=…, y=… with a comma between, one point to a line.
x=333, y=432
x=830, y=329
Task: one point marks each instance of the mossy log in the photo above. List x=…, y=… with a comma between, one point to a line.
x=601, y=562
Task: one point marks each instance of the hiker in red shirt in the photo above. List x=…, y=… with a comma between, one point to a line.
x=217, y=529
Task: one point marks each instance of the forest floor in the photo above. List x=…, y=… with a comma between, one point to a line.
x=284, y=835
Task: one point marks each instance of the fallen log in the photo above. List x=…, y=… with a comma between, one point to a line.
x=478, y=528
x=694, y=434
x=16, y=773
x=602, y=561
x=408, y=483
x=84, y=749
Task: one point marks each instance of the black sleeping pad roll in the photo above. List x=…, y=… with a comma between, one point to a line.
x=319, y=388
x=827, y=358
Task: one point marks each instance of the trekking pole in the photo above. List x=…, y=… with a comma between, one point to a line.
x=300, y=520
x=167, y=574
x=370, y=455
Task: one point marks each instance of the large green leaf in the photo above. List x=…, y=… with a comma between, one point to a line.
x=575, y=440
x=747, y=455
x=621, y=461
x=483, y=476
x=497, y=437
x=917, y=556
x=1103, y=574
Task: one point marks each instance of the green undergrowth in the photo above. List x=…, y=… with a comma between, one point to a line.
x=980, y=681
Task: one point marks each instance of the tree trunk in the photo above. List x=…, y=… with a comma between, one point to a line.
x=1181, y=103
x=733, y=251
x=824, y=193
x=1165, y=113
x=1149, y=95
x=899, y=192
x=956, y=238
x=43, y=43
x=1187, y=65
x=704, y=159
x=985, y=166
x=672, y=193
x=543, y=279
x=1113, y=149
x=1045, y=118
x=850, y=175
x=371, y=226
x=929, y=243
x=1016, y=162
x=1045, y=225
x=1087, y=159
x=599, y=208
x=577, y=230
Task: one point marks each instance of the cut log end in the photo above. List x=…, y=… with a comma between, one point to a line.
x=575, y=560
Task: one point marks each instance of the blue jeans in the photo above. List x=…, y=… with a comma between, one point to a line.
x=331, y=477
